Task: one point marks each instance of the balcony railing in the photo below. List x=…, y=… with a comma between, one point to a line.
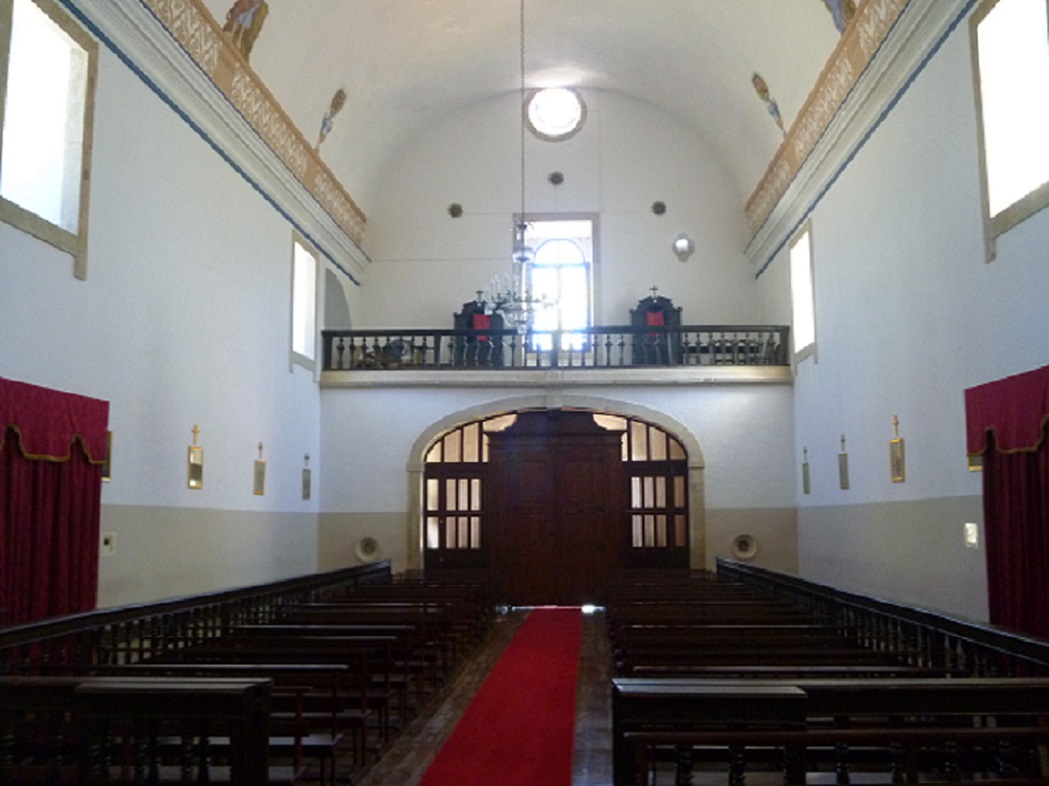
x=596, y=347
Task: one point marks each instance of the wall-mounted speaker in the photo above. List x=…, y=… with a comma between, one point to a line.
x=745, y=547
x=367, y=549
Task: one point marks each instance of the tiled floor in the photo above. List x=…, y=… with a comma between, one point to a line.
x=406, y=760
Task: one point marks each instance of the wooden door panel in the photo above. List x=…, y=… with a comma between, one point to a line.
x=559, y=507
x=532, y=485
x=582, y=484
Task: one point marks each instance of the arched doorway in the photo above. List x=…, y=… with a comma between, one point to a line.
x=544, y=503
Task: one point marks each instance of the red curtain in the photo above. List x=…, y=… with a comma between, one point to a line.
x=1007, y=423
x=52, y=448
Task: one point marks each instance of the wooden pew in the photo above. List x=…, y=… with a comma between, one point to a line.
x=928, y=755
x=685, y=706
x=299, y=685
x=71, y=730
x=369, y=683
x=402, y=665
x=438, y=646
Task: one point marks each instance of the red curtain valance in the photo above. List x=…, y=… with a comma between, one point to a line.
x=1016, y=409
x=49, y=421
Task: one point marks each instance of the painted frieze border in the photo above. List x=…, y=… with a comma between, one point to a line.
x=854, y=52
x=192, y=25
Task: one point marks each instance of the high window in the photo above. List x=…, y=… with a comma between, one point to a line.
x=562, y=274
x=303, y=304
x=47, y=76
x=802, y=294
x=1011, y=43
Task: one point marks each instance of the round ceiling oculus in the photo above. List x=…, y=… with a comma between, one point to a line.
x=555, y=113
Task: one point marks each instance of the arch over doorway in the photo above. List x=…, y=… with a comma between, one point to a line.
x=696, y=462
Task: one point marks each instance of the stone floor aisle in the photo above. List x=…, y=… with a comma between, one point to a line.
x=406, y=760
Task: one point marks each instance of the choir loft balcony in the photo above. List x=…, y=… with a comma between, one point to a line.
x=625, y=354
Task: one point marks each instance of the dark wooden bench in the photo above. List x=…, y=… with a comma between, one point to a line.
x=93, y=730
x=403, y=660
x=1000, y=755
x=640, y=706
x=296, y=687
x=372, y=680
x=439, y=646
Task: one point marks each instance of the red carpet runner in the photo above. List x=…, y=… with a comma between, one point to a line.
x=520, y=728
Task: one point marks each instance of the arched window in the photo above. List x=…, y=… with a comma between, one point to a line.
x=561, y=274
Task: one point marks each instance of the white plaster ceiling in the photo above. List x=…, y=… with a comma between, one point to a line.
x=406, y=64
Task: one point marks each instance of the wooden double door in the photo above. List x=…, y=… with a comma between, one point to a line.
x=557, y=521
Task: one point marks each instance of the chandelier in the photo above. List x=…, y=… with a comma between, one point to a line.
x=511, y=296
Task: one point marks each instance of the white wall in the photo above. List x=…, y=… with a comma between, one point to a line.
x=627, y=156
x=743, y=434
x=426, y=264
x=184, y=319
x=909, y=315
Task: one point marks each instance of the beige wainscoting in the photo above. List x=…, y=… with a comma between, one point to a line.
x=168, y=552
x=772, y=535
x=340, y=537
x=908, y=551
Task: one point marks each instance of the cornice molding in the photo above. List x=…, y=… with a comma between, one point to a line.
x=884, y=49
x=178, y=49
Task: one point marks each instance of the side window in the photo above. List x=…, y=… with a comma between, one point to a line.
x=47, y=78
x=303, y=304
x=802, y=295
x=1011, y=60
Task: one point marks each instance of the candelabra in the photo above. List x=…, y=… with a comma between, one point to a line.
x=511, y=295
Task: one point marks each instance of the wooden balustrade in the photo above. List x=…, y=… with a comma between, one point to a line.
x=922, y=637
x=760, y=673
x=71, y=644
x=590, y=348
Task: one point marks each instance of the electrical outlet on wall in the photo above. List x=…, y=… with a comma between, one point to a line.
x=972, y=535
x=109, y=544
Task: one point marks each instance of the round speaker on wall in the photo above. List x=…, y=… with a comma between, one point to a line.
x=367, y=549
x=745, y=547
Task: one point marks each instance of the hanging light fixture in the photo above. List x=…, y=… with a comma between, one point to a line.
x=513, y=296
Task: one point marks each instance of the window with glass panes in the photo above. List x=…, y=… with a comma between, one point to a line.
x=657, y=471
x=454, y=481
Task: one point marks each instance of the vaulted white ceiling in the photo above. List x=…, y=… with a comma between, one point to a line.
x=406, y=64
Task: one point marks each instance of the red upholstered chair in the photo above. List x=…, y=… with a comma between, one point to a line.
x=477, y=348
x=653, y=343
x=482, y=322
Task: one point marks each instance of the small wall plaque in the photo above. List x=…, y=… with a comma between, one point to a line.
x=260, y=475
x=897, y=463
x=843, y=466
x=107, y=464
x=195, y=473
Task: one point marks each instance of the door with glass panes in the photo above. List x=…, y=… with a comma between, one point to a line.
x=609, y=490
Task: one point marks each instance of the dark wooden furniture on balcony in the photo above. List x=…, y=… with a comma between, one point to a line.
x=654, y=319
x=477, y=348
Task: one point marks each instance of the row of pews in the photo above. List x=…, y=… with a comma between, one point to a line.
x=309, y=687
x=725, y=681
